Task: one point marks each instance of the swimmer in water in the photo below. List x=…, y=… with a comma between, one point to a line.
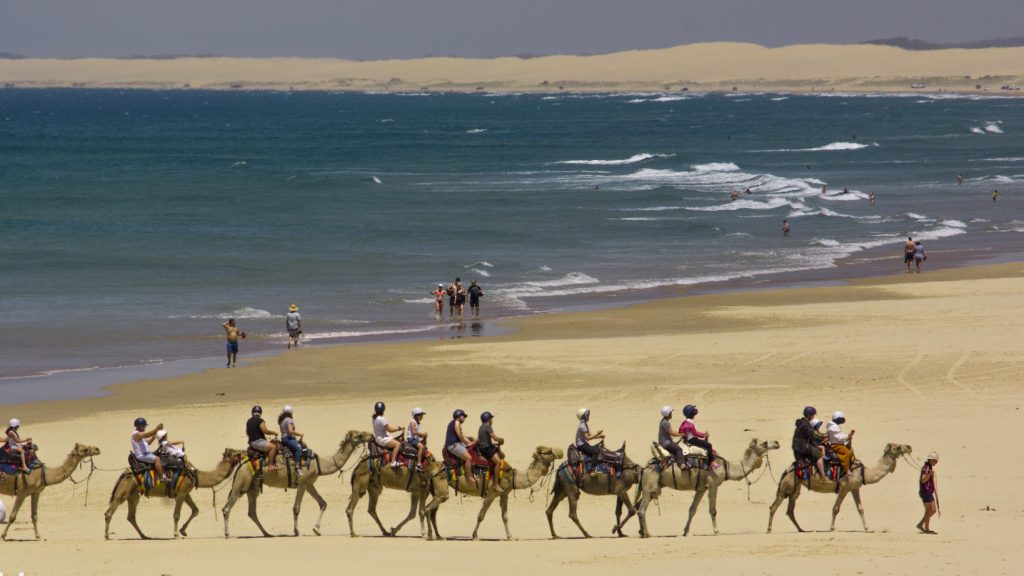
x=785, y=228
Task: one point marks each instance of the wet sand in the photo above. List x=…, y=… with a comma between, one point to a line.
x=931, y=360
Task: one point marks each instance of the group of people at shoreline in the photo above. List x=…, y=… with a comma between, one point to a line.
x=456, y=294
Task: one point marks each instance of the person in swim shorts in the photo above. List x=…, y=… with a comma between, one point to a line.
x=908, y=252
x=233, y=334
x=293, y=324
x=927, y=492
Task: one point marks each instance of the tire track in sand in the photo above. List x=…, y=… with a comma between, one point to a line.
x=903, y=373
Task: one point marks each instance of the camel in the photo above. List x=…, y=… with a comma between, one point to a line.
x=127, y=489
x=597, y=485
x=430, y=482
x=31, y=485
x=700, y=481
x=245, y=481
x=860, y=475
x=511, y=479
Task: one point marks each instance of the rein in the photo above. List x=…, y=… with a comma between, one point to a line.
x=75, y=483
x=334, y=458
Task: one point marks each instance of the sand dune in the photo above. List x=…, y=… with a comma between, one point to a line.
x=710, y=66
x=932, y=360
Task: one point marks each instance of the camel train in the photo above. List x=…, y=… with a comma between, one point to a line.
x=429, y=481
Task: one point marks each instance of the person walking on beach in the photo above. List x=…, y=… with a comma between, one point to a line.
x=452, y=290
x=460, y=298
x=908, y=253
x=919, y=255
x=233, y=334
x=293, y=324
x=438, y=301
x=475, y=293
x=928, y=493
x=785, y=228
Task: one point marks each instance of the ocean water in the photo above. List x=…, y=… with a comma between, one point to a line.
x=133, y=223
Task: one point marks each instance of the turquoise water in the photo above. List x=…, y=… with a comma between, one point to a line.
x=132, y=223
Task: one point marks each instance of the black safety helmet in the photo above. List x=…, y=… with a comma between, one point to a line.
x=140, y=422
x=378, y=408
x=486, y=417
x=457, y=413
x=257, y=409
x=689, y=410
x=809, y=411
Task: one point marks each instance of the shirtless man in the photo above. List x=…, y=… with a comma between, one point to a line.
x=785, y=228
x=232, y=347
x=908, y=253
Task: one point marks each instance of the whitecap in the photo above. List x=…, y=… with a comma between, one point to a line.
x=244, y=313
x=954, y=223
x=832, y=147
x=358, y=333
x=917, y=216
x=476, y=131
x=570, y=279
x=976, y=130
x=993, y=127
x=780, y=99
x=631, y=160
x=483, y=273
x=715, y=167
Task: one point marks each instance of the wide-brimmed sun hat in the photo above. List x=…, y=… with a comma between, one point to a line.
x=293, y=308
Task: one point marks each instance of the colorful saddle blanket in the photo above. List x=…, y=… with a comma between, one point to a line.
x=10, y=462
x=576, y=472
x=478, y=460
x=806, y=471
x=379, y=458
x=146, y=481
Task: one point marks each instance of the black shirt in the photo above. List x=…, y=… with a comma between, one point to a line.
x=804, y=434
x=254, y=429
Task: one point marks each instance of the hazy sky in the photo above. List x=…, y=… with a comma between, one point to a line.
x=407, y=28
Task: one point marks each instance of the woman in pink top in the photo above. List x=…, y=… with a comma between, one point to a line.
x=693, y=436
x=927, y=492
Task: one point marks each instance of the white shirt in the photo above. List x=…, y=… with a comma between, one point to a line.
x=171, y=449
x=139, y=447
x=380, y=427
x=412, y=430
x=836, y=434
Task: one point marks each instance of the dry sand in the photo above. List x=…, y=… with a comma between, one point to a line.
x=933, y=360
x=710, y=66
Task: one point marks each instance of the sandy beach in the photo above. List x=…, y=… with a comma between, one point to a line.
x=931, y=360
x=720, y=66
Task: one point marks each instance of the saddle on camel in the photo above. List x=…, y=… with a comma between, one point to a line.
x=579, y=464
x=148, y=480
x=257, y=460
x=10, y=461
x=694, y=458
x=483, y=468
x=379, y=457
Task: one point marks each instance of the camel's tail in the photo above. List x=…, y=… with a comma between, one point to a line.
x=639, y=487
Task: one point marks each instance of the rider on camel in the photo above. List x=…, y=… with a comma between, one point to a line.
x=416, y=437
x=583, y=436
x=290, y=437
x=16, y=444
x=665, y=435
x=695, y=437
x=804, y=438
x=382, y=433
x=140, y=446
x=488, y=445
x=457, y=444
x=256, y=430
x=173, y=449
x=840, y=442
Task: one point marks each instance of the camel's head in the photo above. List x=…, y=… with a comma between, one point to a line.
x=761, y=447
x=547, y=455
x=355, y=438
x=897, y=450
x=84, y=451
x=233, y=456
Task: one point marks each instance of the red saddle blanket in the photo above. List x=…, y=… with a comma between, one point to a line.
x=478, y=460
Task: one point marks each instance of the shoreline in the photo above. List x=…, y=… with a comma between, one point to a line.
x=704, y=67
x=108, y=382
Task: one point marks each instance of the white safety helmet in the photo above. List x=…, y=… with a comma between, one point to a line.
x=287, y=410
x=666, y=411
x=15, y=423
x=161, y=434
x=933, y=456
x=582, y=414
x=417, y=411
x=837, y=416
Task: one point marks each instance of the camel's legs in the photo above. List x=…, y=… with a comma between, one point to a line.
x=133, y=506
x=697, y=496
x=233, y=495
x=115, y=500
x=432, y=521
x=623, y=499
x=555, y=501
x=573, y=496
x=779, y=497
x=791, y=508
x=252, y=494
x=177, y=513
x=835, y=508
x=641, y=508
x=483, y=512
x=860, y=508
x=300, y=491
x=373, y=492
x=35, y=513
x=14, y=511
x=358, y=490
x=713, y=507
x=195, y=512
x=320, y=502
x=414, y=501
x=504, y=515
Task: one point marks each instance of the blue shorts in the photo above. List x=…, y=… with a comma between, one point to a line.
x=927, y=498
x=232, y=347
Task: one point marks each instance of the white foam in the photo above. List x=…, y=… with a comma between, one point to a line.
x=954, y=223
x=715, y=167
x=780, y=99
x=993, y=127
x=833, y=147
x=1006, y=159
x=917, y=216
x=977, y=130
x=740, y=235
x=376, y=180
x=570, y=279
x=245, y=313
x=358, y=333
x=828, y=242
x=476, y=131
x=481, y=263
x=631, y=160
x=545, y=268
x=744, y=204
x=480, y=272
x=419, y=301
x=651, y=209
x=944, y=232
